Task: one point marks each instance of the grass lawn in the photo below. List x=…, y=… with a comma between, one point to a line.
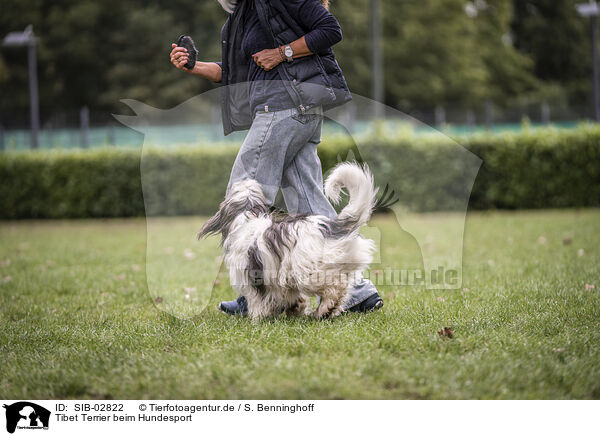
x=78, y=320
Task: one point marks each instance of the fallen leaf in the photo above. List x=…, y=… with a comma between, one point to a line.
x=580, y=252
x=446, y=332
x=217, y=282
x=120, y=277
x=441, y=299
x=378, y=272
x=567, y=241
x=542, y=240
x=135, y=267
x=158, y=300
x=589, y=287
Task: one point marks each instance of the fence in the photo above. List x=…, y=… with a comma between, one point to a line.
x=85, y=129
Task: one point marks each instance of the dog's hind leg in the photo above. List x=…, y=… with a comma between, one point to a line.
x=298, y=308
x=331, y=304
x=326, y=306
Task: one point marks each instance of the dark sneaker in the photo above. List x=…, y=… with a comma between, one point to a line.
x=240, y=306
x=235, y=307
x=374, y=302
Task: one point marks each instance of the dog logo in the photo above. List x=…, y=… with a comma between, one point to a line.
x=26, y=415
x=181, y=271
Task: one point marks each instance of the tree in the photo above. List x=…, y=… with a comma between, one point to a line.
x=454, y=53
x=555, y=37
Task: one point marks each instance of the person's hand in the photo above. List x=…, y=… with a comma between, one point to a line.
x=179, y=57
x=267, y=59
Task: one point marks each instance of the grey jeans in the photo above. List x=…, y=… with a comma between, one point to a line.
x=280, y=151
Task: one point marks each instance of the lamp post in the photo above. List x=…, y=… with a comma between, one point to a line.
x=377, y=59
x=27, y=39
x=592, y=10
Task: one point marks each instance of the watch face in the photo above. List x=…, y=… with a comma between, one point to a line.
x=289, y=52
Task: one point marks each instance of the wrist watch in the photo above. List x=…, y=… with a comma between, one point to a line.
x=289, y=53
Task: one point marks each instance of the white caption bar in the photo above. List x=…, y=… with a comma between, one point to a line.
x=74, y=417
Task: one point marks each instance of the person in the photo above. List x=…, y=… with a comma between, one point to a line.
x=282, y=50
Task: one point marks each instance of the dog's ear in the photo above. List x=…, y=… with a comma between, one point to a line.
x=213, y=226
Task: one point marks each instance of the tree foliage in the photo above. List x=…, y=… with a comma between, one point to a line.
x=437, y=52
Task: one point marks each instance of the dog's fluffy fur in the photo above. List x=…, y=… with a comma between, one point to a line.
x=277, y=261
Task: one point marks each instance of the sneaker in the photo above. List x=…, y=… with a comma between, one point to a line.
x=240, y=306
x=235, y=307
x=374, y=302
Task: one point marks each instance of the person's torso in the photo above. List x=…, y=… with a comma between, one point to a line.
x=307, y=82
x=266, y=89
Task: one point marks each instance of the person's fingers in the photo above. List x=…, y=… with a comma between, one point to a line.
x=177, y=56
x=179, y=50
x=173, y=45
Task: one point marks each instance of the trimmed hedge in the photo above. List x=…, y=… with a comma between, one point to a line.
x=533, y=169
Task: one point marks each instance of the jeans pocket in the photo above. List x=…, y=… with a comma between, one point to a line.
x=305, y=118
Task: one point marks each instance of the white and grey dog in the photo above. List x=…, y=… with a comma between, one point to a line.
x=276, y=261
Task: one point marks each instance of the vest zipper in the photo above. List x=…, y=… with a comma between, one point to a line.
x=265, y=20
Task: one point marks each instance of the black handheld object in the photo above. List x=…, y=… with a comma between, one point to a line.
x=188, y=43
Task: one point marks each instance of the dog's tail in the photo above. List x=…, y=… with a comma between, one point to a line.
x=358, y=180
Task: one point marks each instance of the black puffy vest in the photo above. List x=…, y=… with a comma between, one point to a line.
x=315, y=80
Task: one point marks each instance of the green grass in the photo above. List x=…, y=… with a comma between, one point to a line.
x=78, y=320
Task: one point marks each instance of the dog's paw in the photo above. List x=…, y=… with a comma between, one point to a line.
x=323, y=312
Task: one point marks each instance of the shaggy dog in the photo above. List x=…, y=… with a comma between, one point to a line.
x=277, y=261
